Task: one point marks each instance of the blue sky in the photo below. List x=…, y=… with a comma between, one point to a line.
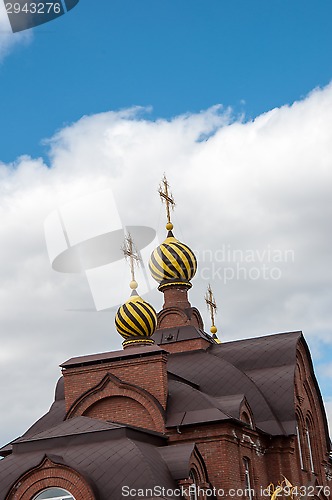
x=267, y=165
x=176, y=56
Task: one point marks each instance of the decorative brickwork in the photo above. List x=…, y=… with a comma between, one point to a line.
x=177, y=310
x=223, y=448
x=120, y=402
x=311, y=429
x=121, y=409
x=174, y=316
x=48, y=475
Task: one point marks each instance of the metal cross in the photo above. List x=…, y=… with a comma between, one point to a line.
x=211, y=304
x=166, y=197
x=131, y=253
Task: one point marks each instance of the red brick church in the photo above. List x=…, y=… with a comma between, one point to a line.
x=176, y=413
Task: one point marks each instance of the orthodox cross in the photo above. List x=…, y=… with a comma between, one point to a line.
x=212, y=307
x=131, y=254
x=167, y=197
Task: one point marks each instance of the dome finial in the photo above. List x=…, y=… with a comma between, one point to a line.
x=167, y=198
x=212, y=307
x=136, y=320
x=172, y=263
x=131, y=253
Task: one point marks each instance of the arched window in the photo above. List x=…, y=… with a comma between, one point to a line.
x=299, y=445
x=193, y=486
x=310, y=449
x=54, y=494
x=245, y=418
x=249, y=491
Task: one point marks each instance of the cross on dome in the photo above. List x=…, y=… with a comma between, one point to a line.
x=172, y=262
x=135, y=320
x=167, y=198
x=212, y=307
x=131, y=254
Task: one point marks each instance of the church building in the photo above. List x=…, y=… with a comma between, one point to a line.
x=176, y=413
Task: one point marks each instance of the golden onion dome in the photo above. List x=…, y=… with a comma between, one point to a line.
x=172, y=261
x=136, y=321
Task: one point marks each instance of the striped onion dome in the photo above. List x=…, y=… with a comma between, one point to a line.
x=136, y=321
x=172, y=261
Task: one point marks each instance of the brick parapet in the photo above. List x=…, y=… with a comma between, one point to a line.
x=149, y=373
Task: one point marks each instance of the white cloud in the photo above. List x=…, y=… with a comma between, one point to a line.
x=262, y=186
x=8, y=39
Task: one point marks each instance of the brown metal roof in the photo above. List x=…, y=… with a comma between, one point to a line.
x=217, y=378
x=110, y=455
x=204, y=386
x=132, y=352
x=187, y=405
x=71, y=427
x=178, y=458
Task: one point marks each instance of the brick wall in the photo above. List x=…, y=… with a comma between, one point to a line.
x=176, y=296
x=121, y=409
x=148, y=372
x=223, y=447
x=177, y=310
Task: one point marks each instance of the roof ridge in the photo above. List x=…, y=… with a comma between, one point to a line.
x=102, y=424
x=261, y=337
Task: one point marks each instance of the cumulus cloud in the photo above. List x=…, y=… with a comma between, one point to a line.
x=253, y=201
x=8, y=39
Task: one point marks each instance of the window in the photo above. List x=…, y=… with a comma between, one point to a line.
x=193, y=486
x=311, y=461
x=54, y=494
x=246, y=419
x=249, y=491
x=299, y=446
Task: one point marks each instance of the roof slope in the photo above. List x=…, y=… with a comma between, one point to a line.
x=120, y=456
x=204, y=386
x=262, y=369
x=210, y=385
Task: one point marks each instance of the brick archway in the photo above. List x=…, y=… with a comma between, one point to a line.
x=50, y=475
x=112, y=387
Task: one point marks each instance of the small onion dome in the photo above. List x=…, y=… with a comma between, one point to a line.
x=172, y=261
x=136, y=321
